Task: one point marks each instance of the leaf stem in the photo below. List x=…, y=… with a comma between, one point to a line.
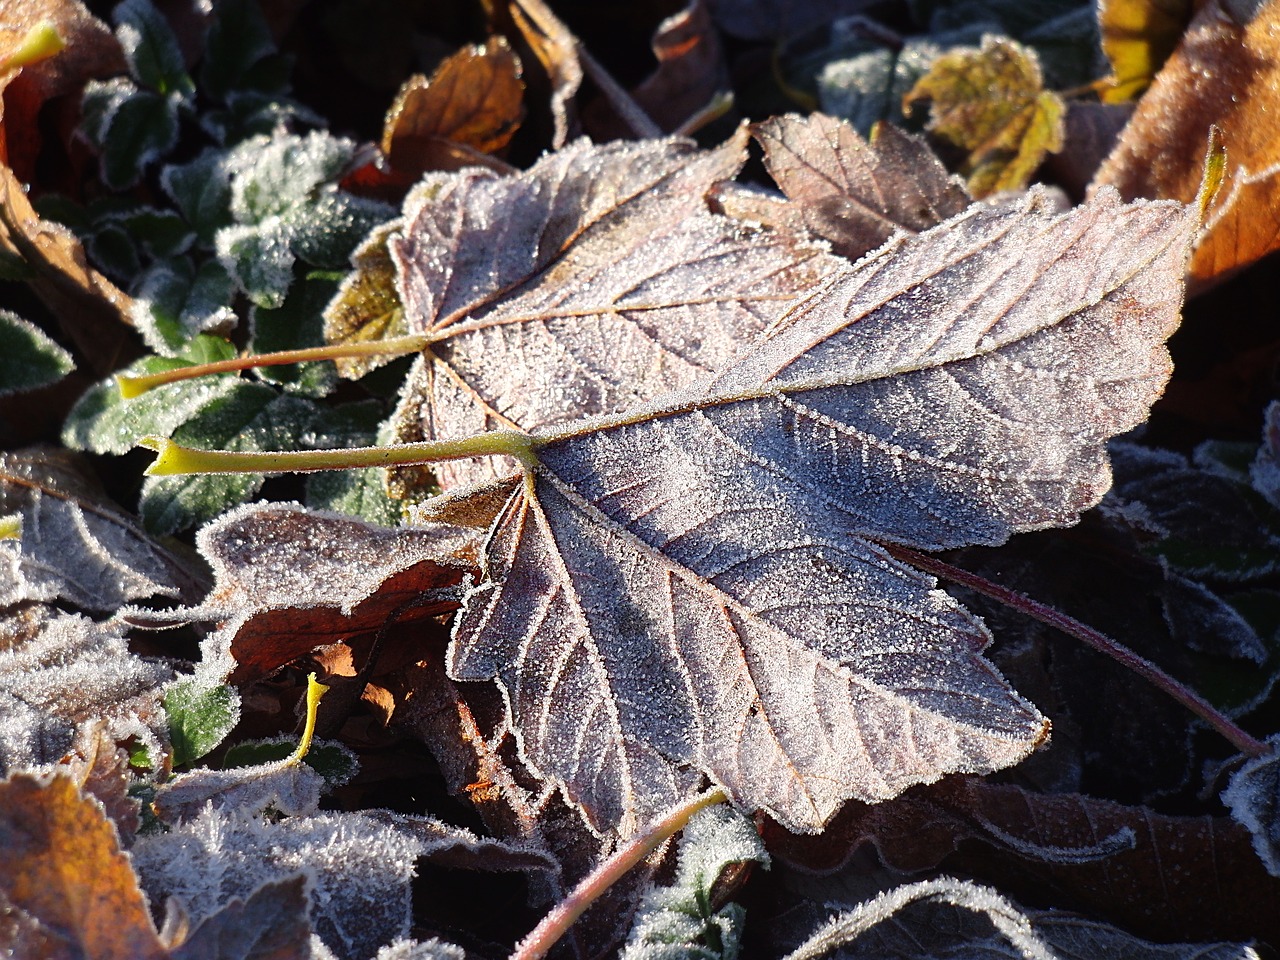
x=557, y=923
x=315, y=690
x=133, y=386
x=174, y=459
x=1117, y=651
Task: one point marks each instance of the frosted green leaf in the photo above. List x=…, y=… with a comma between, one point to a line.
x=298, y=322
x=272, y=175
x=104, y=422
x=329, y=758
x=592, y=281
x=135, y=131
x=357, y=493
x=287, y=786
x=200, y=715
x=1253, y=797
x=151, y=49
x=677, y=921
x=173, y=301
x=29, y=359
x=248, y=417
x=699, y=577
x=259, y=259
x=201, y=190
x=327, y=230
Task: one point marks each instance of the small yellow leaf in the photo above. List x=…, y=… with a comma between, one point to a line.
x=1137, y=37
x=990, y=102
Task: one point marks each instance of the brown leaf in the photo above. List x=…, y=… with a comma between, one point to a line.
x=990, y=103
x=64, y=868
x=1225, y=72
x=272, y=924
x=854, y=194
x=1137, y=37
x=473, y=98
x=289, y=580
x=557, y=50
x=1167, y=877
x=76, y=545
x=692, y=70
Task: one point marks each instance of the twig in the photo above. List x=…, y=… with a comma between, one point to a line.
x=1117, y=651
x=557, y=923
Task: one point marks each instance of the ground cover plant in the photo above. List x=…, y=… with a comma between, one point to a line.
x=742, y=479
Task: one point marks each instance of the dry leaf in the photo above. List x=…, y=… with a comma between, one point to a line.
x=1224, y=73
x=855, y=194
x=692, y=70
x=662, y=581
x=76, y=545
x=289, y=580
x=271, y=924
x=557, y=50
x=1137, y=37
x=592, y=281
x=64, y=868
x=991, y=103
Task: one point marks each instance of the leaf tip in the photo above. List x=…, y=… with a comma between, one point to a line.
x=1215, y=170
x=41, y=42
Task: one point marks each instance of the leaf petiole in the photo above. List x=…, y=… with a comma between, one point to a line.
x=131, y=387
x=315, y=690
x=174, y=459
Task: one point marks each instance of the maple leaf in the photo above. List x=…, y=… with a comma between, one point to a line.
x=676, y=590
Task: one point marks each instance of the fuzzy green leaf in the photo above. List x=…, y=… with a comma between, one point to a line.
x=200, y=716
x=201, y=189
x=272, y=175
x=154, y=57
x=173, y=301
x=296, y=323
x=141, y=129
x=327, y=231
x=258, y=257
x=104, y=422
x=28, y=358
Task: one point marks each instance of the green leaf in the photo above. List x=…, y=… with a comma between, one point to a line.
x=298, y=322
x=330, y=759
x=141, y=129
x=357, y=493
x=155, y=59
x=98, y=105
x=327, y=231
x=157, y=233
x=678, y=922
x=251, y=416
x=28, y=358
x=271, y=175
x=259, y=259
x=173, y=301
x=200, y=716
x=104, y=422
x=114, y=251
x=237, y=39
x=201, y=190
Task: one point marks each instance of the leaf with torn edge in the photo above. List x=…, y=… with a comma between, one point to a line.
x=289, y=580
x=693, y=586
x=593, y=281
x=856, y=194
x=990, y=103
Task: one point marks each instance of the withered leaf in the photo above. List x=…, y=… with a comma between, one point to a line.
x=64, y=868
x=271, y=924
x=289, y=580
x=594, y=280
x=76, y=545
x=676, y=590
x=1137, y=37
x=1226, y=73
x=557, y=50
x=74, y=672
x=853, y=193
x=991, y=103
x=692, y=70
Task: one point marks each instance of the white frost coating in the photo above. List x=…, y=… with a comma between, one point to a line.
x=1253, y=795
x=1264, y=472
x=595, y=280
x=691, y=589
x=72, y=672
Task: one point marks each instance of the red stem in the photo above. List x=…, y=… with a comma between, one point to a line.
x=1118, y=652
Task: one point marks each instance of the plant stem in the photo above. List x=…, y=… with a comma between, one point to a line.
x=315, y=690
x=175, y=459
x=556, y=923
x=1117, y=651
x=396, y=346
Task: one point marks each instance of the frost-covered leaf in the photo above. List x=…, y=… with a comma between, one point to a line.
x=136, y=128
x=360, y=865
x=1254, y=798
x=105, y=422
x=367, y=304
x=1264, y=471
x=296, y=323
x=334, y=762
x=174, y=301
x=200, y=714
x=64, y=870
x=674, y=569
x=990, y=102
x=155, y=59
x=73, y=672
x=856, y=194
x=272, y=923
x=679, y=920
x=357, y=493
x=259, y=259
x=75, y=544
x=201, y=190
x=287, y=786
x=272, y=175
x=594, y=280
x=288, y=580
x=28, y=358
x=944, y=918
x=249, y=416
